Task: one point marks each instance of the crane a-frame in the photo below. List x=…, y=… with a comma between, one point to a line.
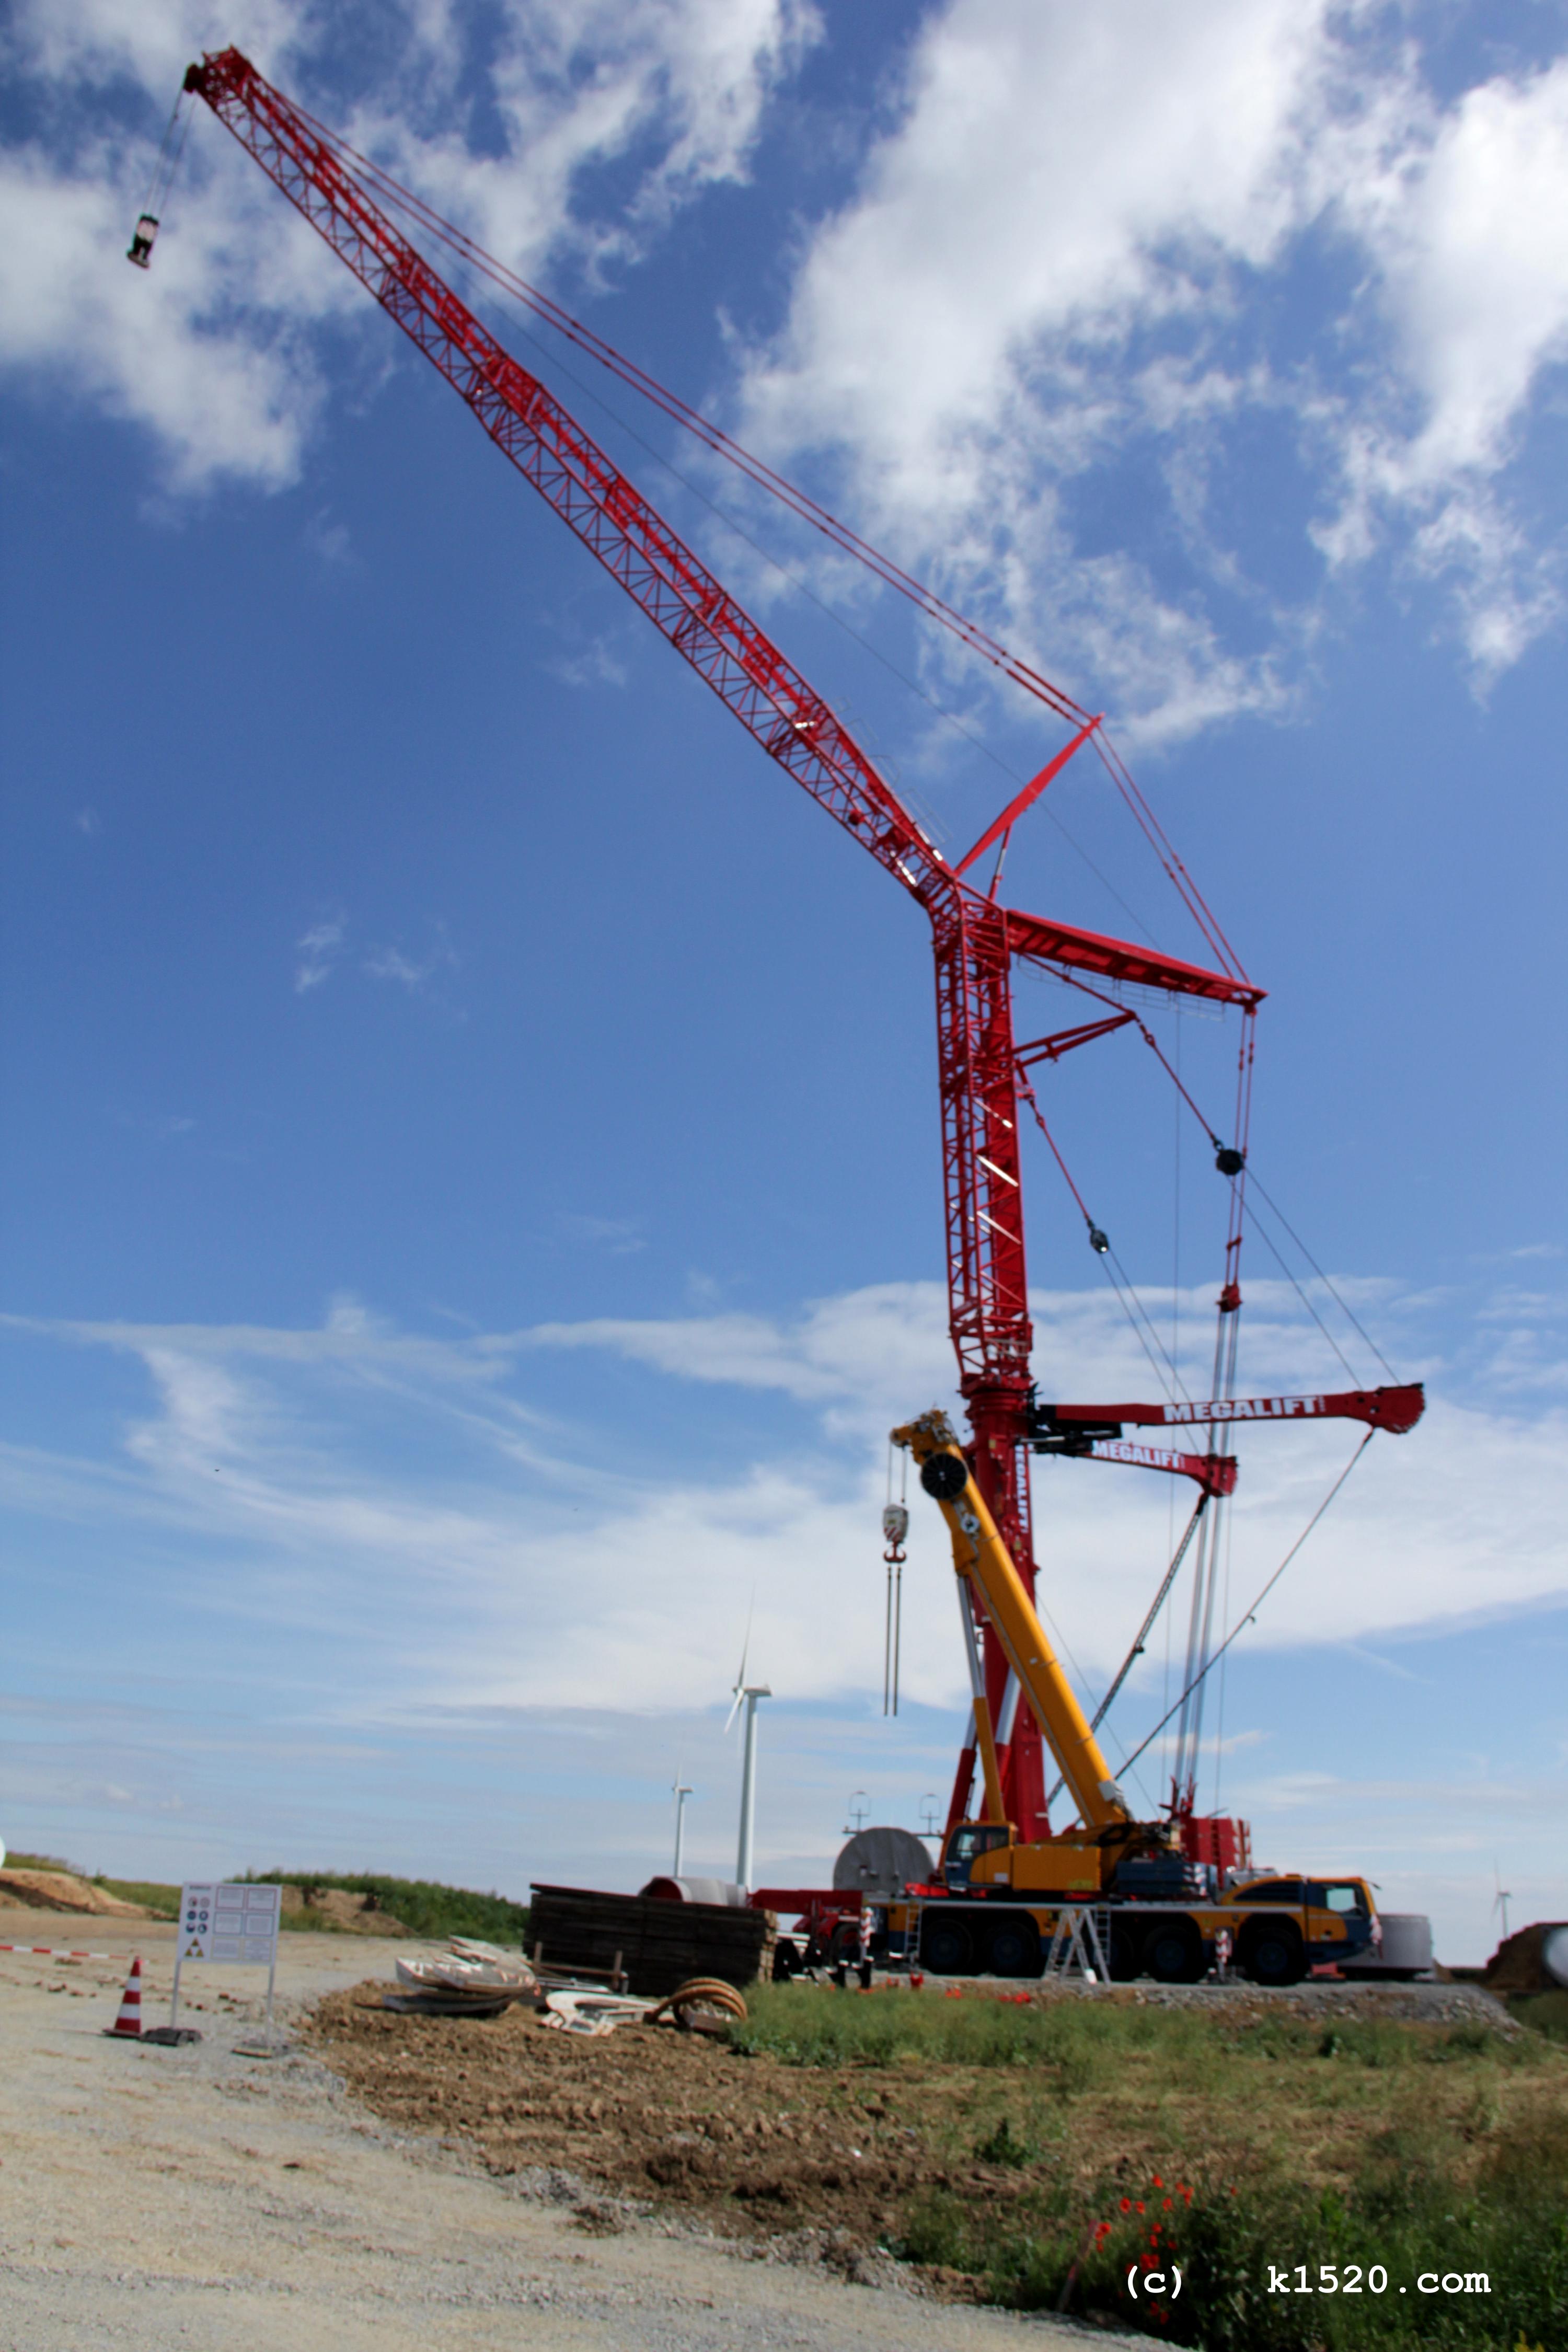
x=976, y=941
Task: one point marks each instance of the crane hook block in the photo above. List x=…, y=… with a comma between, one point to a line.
x=895, y=1527
x=140, y=249
x=944, y=1476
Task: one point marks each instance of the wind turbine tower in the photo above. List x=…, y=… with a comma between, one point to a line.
x=747, y=1694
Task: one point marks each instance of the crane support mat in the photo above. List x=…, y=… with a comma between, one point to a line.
x=659, y=1944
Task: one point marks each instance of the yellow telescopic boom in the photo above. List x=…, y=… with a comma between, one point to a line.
x=980, y=1555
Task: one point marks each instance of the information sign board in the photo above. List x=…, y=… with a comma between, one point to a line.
x=237, y=1924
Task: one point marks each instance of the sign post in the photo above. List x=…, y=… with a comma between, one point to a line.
x=228, y=1924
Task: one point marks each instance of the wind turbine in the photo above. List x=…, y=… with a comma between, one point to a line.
x=749, y=1693
x=1502, y=1900
x=680, y=1792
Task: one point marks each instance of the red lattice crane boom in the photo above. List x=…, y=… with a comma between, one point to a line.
x=976, y=940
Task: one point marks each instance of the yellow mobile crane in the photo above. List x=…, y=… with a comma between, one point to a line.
x=1000, y=1902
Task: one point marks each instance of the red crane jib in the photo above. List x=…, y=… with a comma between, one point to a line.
x=1395, y=1410
x=974, y=939
x=1215, y=1473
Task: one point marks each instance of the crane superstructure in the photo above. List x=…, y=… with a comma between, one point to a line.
x=981, y=1068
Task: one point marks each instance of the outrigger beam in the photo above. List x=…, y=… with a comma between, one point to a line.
x=1079, y=1428
x=1215, y=1473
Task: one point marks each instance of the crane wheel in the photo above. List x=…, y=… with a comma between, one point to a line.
x=1273, y=1953
x=1012, y=1948
x=1173, y=1952
x=946, y=1950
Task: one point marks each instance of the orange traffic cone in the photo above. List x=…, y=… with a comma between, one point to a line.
x=130, y=2018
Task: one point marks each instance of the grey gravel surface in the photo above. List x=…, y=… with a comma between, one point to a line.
x=158, y=2199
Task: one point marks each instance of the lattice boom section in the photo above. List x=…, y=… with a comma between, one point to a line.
x=605, y=511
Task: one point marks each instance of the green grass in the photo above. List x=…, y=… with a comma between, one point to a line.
x=424, y=1906
x=1243, y=2143
x=1403, y=2213
x=1546, y=2013
x=163, y=1902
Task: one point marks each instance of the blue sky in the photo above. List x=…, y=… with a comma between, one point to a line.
x=471, y=1194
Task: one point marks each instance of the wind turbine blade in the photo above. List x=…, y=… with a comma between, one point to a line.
x=740, y=1682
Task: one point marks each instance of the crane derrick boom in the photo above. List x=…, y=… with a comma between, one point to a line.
x=975, y=940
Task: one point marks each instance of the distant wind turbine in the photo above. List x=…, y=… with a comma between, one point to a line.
x=680, y=1792
x=747, y=1693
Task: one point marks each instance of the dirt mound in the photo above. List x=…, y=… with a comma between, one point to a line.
x=1520, y=1964
x=61, y=1890
x=749, y=2145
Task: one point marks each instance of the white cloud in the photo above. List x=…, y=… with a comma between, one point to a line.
x=510, y=1565
x=213, y=350
x=595, y=665
x=319, y=949
x=413, y=972
x=1070, y=255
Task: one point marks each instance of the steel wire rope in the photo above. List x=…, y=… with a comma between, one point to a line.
x=167, y=165
x=1140, y=1640
x=1102, y=997
x=1100, y=1243
x=1250, y=1617
x=1341, y=1303
x=793, y=579
x=1263, y=1236
x=838, y=533
x=1128, y=1763
x=702, y=428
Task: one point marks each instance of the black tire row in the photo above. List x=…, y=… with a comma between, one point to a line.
x=1171, y=1951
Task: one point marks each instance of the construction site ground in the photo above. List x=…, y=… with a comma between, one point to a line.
x=758, y=2148
x=153, y=2198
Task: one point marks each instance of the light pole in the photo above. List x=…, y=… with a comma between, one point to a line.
x=680, y=1793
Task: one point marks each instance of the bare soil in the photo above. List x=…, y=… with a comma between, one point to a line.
x=752, y=2146
x=62, y=1890
x=203, y=2198
x=757, y=2149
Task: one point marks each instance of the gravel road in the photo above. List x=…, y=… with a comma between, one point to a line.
x=156, y=2199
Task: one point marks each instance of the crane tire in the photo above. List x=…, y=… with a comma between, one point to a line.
x=1124, y=1960
x=1272, y=1953
x=946, y=1949
x=1012, y=1947
x=1173, y=1952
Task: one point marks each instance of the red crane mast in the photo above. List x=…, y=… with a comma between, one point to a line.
x=976, y=940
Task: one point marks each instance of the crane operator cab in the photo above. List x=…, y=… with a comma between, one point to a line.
x=964, y=1846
